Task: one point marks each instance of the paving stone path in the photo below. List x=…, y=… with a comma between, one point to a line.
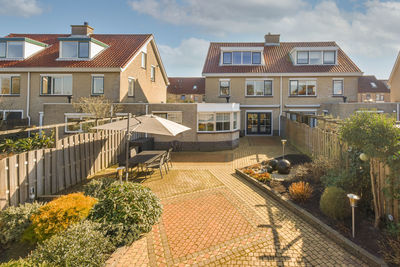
x=214, y=218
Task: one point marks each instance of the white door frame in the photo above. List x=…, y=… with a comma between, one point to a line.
x=260, y=111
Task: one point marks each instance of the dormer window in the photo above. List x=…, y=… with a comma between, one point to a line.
x=241, y=58
x=80, y=48
x=314, y=55
x=18, y=48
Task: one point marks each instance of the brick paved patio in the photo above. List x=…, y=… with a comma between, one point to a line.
x=212, y=217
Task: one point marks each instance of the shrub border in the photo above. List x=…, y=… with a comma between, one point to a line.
x=342, y=241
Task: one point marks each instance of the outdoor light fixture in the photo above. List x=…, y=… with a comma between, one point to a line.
x=120, y=171
x=283, y=147
x=353, y=203
x=227, y=99
x=32, y=194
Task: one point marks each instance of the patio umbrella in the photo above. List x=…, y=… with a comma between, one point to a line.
x=143, y=124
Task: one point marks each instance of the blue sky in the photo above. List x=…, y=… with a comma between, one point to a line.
x=367, y=30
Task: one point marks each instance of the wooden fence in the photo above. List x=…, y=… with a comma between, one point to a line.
x=48, y=171
x=323, y=141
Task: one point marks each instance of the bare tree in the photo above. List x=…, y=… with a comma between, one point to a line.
x=99, y=107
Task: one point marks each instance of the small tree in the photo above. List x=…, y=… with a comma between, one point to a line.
x=99, y=107
x=376, y=136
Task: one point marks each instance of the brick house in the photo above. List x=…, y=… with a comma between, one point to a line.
x=372, y=90
x=185, y=90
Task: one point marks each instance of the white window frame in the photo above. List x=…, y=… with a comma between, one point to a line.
x=241, y=51
x=52, y=84
x=134, y=85
x=310, y=50
x=61, y=56
x=23, y=50
x=334, y=57
x=303, y=79
x=308, y=57
x=94, y=76
x=10, y=76
x=153, y=73
x=4, y=111
x=262, y=79
x=333, y=86
x=144, y=60
x=231, y=117
x=219, y=87
x=80, y=116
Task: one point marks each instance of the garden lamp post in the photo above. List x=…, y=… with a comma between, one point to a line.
x=120, y=171
x=353, y=203
x=283, y=147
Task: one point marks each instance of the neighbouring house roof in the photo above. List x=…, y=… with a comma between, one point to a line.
x=277, y=60
x=370, y=84
x=184, y=85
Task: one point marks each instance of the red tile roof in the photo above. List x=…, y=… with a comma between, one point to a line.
x=365, y=86
x=122, y=47
x=184, y=85
x=277, y=59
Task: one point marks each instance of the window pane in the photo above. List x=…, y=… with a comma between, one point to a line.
x=98, y=85
x=302, y=87
x=227, y=58
x=15, y=49
x=235, y=120
x=259, y=87
x=3, y=47
x=67, y=85
x=57, y=85
x=206, y=122
x=237, y=57
x=246, y=57
x=329, y=57
x=69, y=49
x=302, y=57
x=337, y=87
x=153, y=73
x=161, y=115
x=15, y=83
x=311, y=87
x=315, y=57
x=256, y=58
x=224, y=88
x=131, y=87
x=5, y=86
x=175, y=117
x=13, y=115
x=46, y=85
x=268, y=87
x=143, y=60
x=83, y=49
x=249, y=87
x=293, y=88
x=223, y=122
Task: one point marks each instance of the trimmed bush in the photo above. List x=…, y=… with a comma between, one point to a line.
x=126, y=211
x=95, y=188
x=24, y=263
x=300, y=191
x=57, y=215
x=334, y=203
x=81, y=244
x=14, y=221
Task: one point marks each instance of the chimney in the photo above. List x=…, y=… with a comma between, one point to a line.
x=84, y=29
x=272, y=39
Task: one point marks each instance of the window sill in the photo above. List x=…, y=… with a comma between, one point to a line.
x=97, y=94
x=219, y=132
x=300, y=96
x=224, y=96
x=56, y=95
x=259, y=96
x=337, y=95
x=10, y=95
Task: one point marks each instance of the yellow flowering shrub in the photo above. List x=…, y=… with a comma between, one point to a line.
x=57, y=215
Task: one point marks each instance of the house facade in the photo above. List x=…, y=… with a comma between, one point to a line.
x=186, y=90
x=270, y=77
x=372, y=90
x=394, y=81
x=60, y=68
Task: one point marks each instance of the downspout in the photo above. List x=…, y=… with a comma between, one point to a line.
x=280, y=106
x=28, y=92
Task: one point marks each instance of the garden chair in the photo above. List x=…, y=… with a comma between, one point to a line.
x=157, y=164
x=168, y=158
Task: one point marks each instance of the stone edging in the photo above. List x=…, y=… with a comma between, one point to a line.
x=342, y=241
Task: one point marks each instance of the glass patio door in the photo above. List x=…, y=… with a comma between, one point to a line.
x=259, y=123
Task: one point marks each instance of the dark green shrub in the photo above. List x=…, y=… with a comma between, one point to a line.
x=95, y=188
x=126, y=211
x=14, y=221
x=37, y=141
x=82, y=244
x=24, y=263
x=334, y=203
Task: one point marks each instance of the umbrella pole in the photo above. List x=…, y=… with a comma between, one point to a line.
x=127, y=147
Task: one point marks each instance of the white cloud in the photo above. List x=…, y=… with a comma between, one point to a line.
x=187, y=59
x=23, y=8
x=370, y=32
